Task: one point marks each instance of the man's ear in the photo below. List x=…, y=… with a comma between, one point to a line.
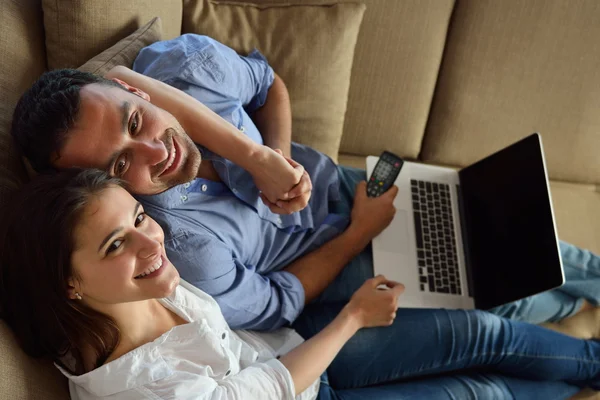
x=132, y=89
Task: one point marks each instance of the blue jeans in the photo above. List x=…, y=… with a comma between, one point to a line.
x=513, y=360
x=581, y=268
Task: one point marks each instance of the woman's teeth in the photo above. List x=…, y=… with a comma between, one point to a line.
x=150, y=270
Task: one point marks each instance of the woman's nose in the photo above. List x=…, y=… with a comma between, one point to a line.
x=150, y=247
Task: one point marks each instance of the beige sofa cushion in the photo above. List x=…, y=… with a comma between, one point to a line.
x=25, y=378
x=76, y=30
x=577, y=212
x=310, y=47
x=22, y=59
x=396, y=62
x=126, y=50
x=514, y=67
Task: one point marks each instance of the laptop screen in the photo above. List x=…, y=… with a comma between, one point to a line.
x=512, y=247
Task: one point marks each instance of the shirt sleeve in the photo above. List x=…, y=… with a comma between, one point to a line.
x=247, y=299
x=260, y=381
x=208, y=70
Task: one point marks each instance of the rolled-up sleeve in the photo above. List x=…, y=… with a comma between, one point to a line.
x=248, y=300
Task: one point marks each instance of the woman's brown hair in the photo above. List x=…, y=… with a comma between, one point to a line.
x=36, y=244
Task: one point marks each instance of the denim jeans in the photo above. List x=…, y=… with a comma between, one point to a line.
x=513, y=360
x=354, y=369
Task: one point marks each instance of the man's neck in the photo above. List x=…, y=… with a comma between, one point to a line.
x=207, y=171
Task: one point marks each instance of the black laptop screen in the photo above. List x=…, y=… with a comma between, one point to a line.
x=511, y=248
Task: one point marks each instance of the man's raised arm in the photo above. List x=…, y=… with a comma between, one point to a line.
x=273, y=174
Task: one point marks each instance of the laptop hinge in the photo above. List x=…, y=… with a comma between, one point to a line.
x=466, y=242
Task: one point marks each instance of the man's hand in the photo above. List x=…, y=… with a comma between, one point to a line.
x=297, y=197
x=371, y=215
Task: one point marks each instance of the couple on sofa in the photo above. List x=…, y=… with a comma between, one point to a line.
x=264, y=239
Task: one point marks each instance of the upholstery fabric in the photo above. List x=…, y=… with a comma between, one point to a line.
x=515, y=67
x=397, y=58
x=125, y=50
x=22, y=60
x=310, y=47
x=76, y=31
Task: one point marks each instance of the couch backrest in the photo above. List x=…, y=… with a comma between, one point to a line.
x=22, y=60
x=513, y=67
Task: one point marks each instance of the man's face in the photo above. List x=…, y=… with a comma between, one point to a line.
x=130, y=138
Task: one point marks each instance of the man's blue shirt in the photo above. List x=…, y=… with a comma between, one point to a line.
x=220, y=235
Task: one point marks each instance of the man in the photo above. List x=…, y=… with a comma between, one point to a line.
x=228, y=231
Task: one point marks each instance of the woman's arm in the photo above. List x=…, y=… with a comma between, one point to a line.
x=368, y=307
x=272, y=173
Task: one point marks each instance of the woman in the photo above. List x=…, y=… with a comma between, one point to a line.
x=85, y=281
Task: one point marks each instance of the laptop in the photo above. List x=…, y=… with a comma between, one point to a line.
x=478, y=237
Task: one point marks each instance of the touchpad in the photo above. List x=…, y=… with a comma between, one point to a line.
x=395, y=237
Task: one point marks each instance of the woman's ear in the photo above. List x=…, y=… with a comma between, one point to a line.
x=132, y=89
x=73, y=290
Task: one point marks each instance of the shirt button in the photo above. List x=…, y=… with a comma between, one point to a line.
x=279, y=221
x=186, y=185
x=184, y=198
x=228, y=372
x=224, y=335
x=204, y=187
x=234, y=190
x=242, y=128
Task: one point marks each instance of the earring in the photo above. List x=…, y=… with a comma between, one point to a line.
x=77, y=295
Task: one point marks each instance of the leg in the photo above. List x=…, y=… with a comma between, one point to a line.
x=582, y=282
x=425, y=342
x=360, y=268
x=455, y=387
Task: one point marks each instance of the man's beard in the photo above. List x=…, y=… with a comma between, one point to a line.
x=188, y=164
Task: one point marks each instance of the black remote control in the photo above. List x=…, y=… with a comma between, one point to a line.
x=384, y=175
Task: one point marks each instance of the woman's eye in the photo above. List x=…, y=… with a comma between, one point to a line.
x=140, y=218
x=114, y=246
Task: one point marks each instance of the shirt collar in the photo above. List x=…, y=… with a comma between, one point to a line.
x=140, y=366
x=136, y=368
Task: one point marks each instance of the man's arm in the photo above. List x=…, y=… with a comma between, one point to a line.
x=274, y=118
x=273, y=174
x=370, y=215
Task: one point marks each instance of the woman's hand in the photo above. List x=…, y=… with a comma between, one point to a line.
x=297, y=197
x=284, y=184
x=373, y=306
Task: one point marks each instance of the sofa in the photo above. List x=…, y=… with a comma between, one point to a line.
x=444, y=82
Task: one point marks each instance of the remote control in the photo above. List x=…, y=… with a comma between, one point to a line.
x=384, y=175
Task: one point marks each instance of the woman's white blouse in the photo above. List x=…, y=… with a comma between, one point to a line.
x=203, y=359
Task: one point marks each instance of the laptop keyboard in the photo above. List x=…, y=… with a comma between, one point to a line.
x=436, y=241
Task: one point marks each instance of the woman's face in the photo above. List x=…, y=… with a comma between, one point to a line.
x=119, y=253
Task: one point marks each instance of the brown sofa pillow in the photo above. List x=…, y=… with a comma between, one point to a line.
x=126, y=50
x=78, y=30
x=310, y=46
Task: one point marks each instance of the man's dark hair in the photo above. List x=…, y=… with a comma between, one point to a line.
x=46, y=111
